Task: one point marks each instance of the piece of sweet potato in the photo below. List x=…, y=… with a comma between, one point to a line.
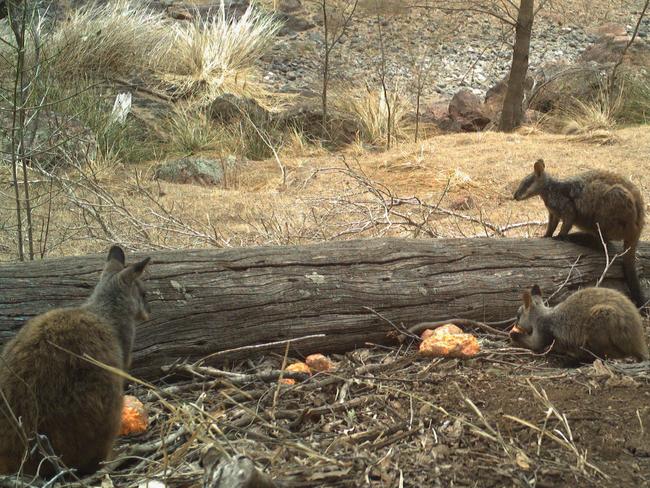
x=134, y=416
x=318, y=362
x=454, y=345
x=442, y=330
x=296, y=368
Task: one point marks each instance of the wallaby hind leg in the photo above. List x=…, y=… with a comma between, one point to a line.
x=631, y=274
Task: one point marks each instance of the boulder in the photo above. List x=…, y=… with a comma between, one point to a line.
x=467, y=109
x=610, y=44
x=228, y=108
x=308, y=118
x=496, y=94
x=192, y=170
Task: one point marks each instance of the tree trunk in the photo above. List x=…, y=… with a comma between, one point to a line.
x=512, y=113
x=203, y=301
x=326, y=64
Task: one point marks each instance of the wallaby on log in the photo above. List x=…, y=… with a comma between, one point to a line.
x=591, y=200
x=590, y=323
x=48, y=387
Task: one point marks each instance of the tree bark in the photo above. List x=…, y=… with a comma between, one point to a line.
x=512, y=113
x=204, y=301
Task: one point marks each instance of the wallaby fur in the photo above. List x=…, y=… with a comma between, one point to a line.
x=591, y=200
x=590, y=323
x=47, y=388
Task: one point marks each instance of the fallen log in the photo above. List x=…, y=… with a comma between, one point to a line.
x=210, y=300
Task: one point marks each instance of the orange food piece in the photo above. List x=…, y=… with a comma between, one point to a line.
x=296, y=368
x=134, y=416
x=319, y=363
x=442, y=330
x=455, y=345
x=517, y=329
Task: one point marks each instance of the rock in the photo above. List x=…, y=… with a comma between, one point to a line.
x=293, y=23
x=179, y=12
x=466, y=108
x=228, y=108
x=289, y=6
x=308, y=118
x=465, y=202
x=561, y=90
x=496, y=94
x=611, y=29
x=611, y=44
x=198, y=171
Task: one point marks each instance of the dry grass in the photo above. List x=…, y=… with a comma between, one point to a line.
x=206, y=58
x=190, y=130
x=600, y=114
x=106, y=39
x=369, y=107
x=469, y=174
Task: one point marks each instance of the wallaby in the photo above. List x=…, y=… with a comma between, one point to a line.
x=590, y=323
x=48, y=386
x=591, y=200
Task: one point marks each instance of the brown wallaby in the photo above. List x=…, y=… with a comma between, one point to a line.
x=48, y=386
x=591, y=200
x=590, y=323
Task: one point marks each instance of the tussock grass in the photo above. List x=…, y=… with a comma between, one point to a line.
x=191, y=130
x=596, y=116
x=108, y=39
x=206, y=58
x=370, y=108
x=635, y=95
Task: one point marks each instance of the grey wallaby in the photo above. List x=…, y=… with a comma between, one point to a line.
x=592, y=200
x=590, y=323
x=48, y=386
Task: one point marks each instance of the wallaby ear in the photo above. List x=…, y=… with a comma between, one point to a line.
x=536, y=291
x=116, y=253
x=539, y=167
x=115, y=260
x=527, y=299
x=133, y=272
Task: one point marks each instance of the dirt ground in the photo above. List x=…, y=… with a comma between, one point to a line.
x=386, y=417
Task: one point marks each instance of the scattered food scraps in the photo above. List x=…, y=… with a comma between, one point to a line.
x=319, y=363
x=454, y=345
x=134, y=416
x=296, y=368
x=442, y=330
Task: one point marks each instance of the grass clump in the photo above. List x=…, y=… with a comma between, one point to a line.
x=191, y=130
x=635, y=95
x=106, y=39
x=374, y=111
x=208, y=57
